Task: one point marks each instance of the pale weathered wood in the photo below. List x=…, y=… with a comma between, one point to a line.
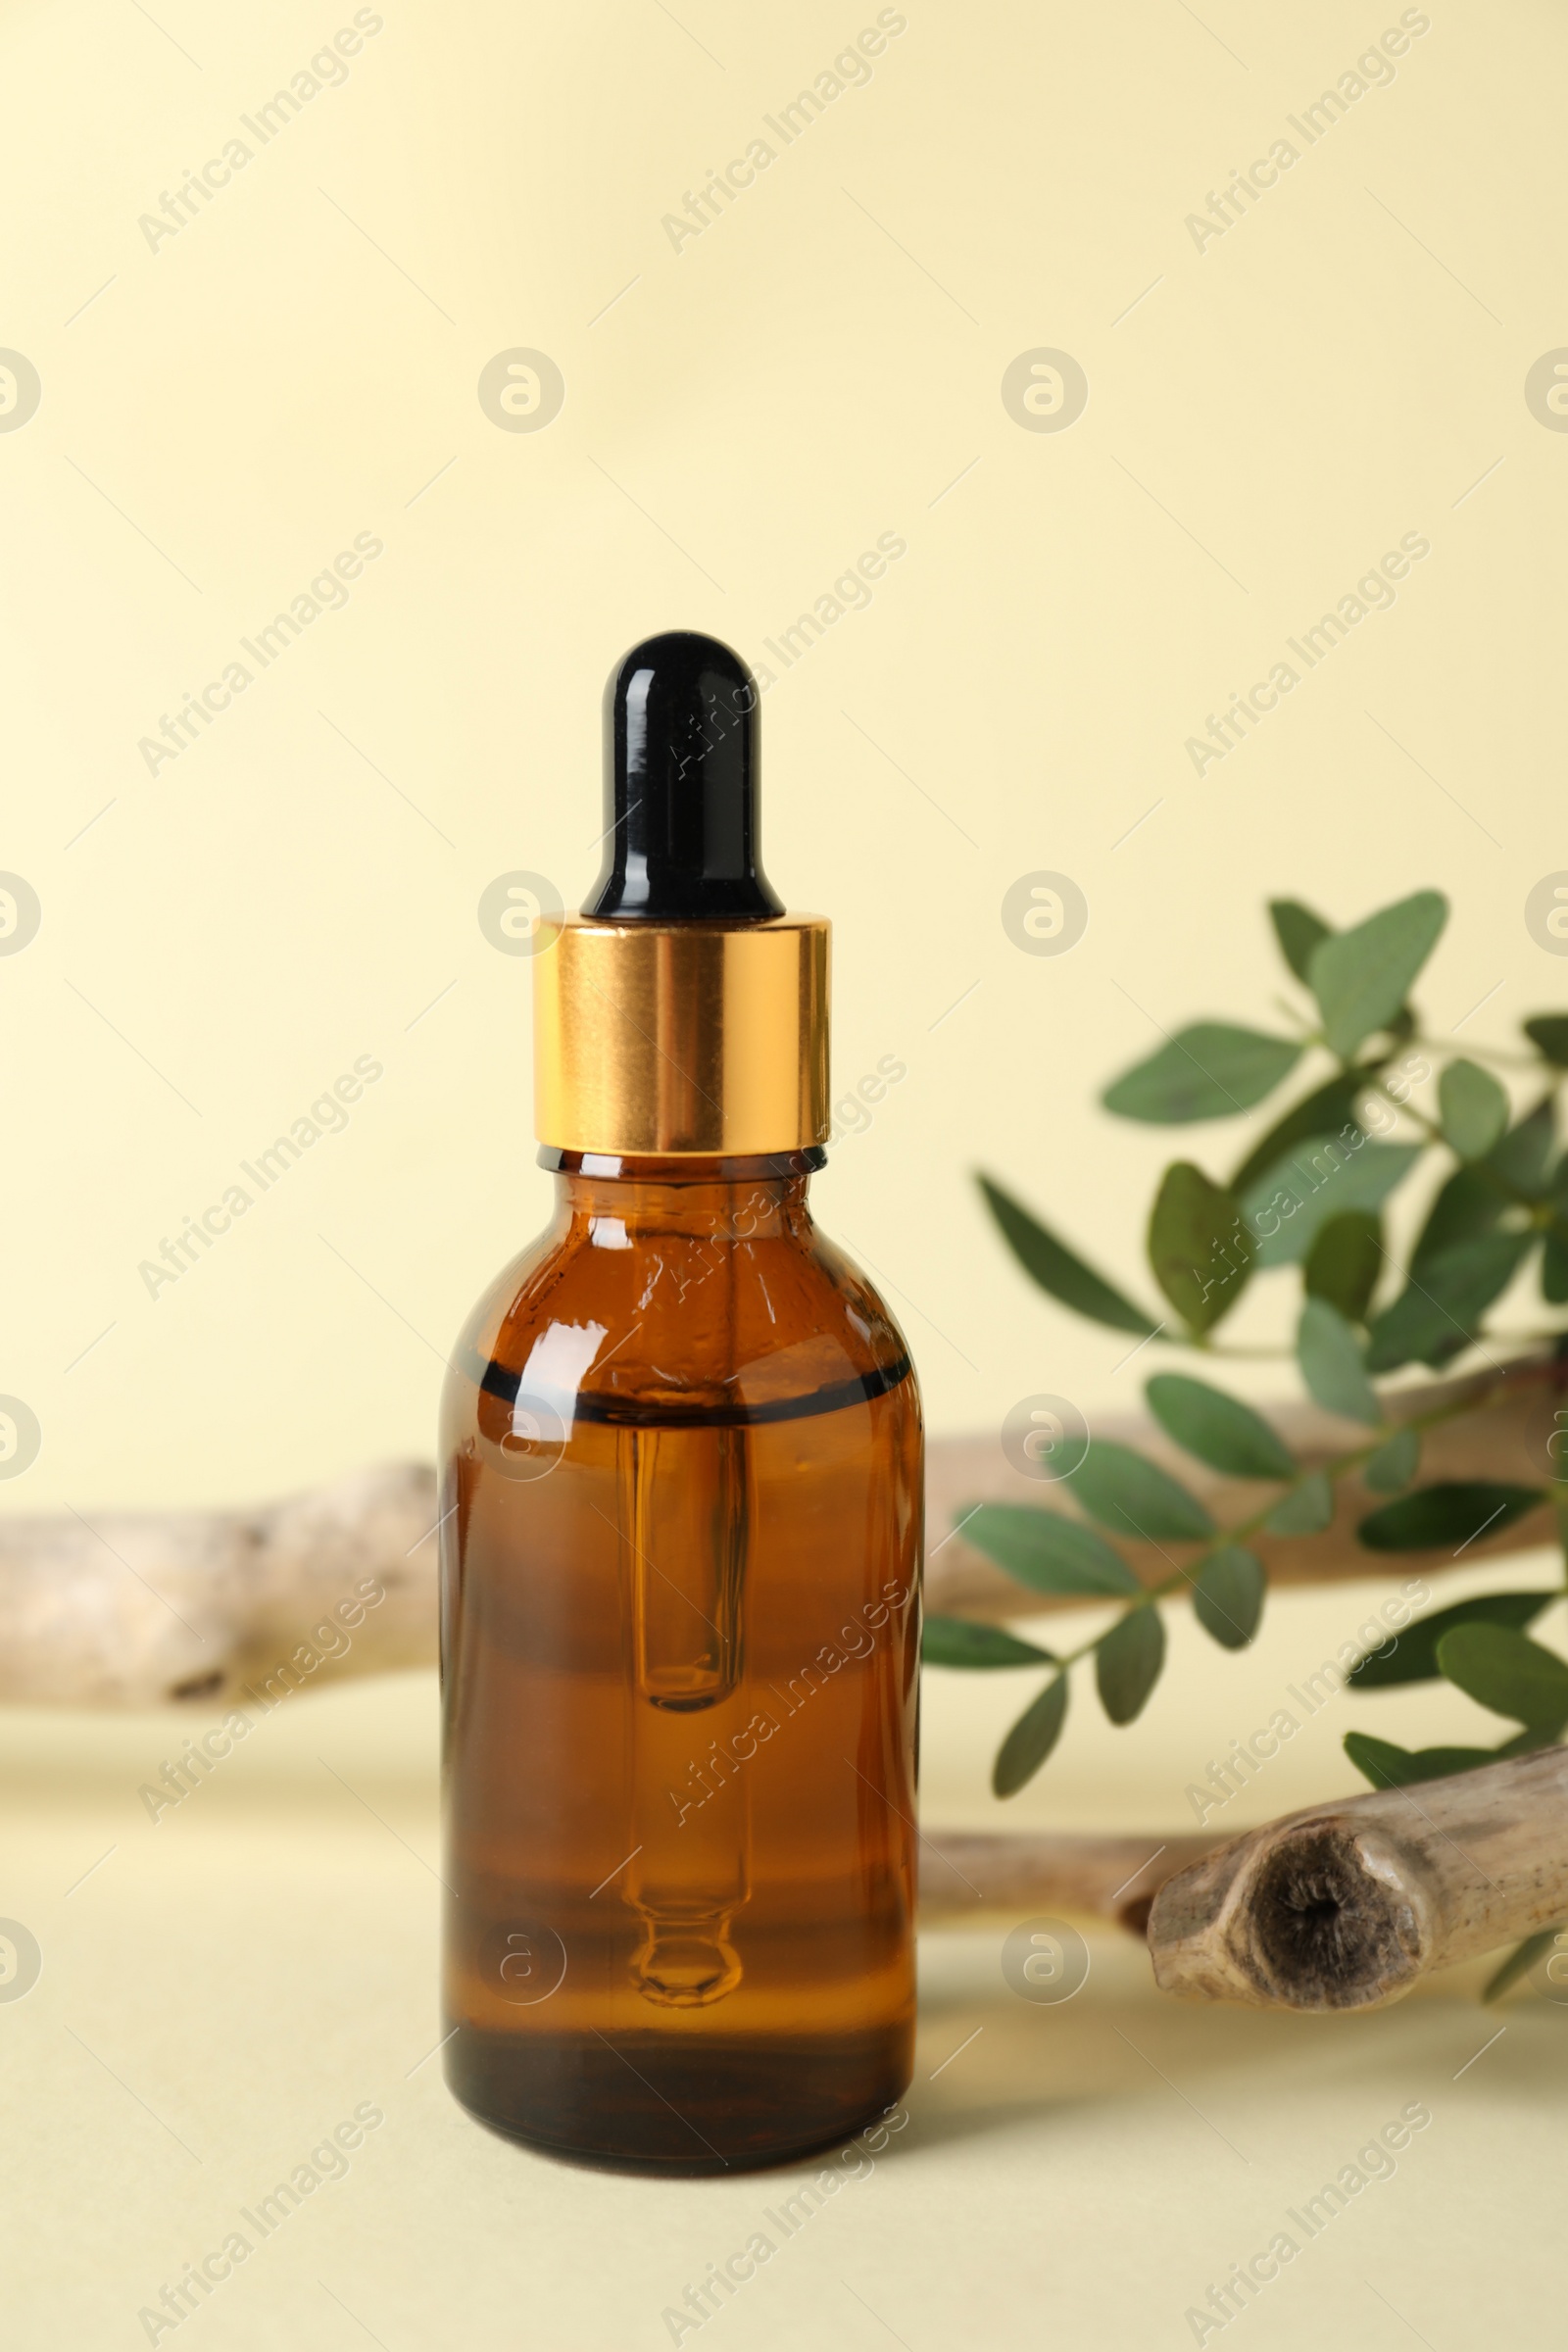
x=132, y=1609
x=969, y=1876
x=1342, y=1906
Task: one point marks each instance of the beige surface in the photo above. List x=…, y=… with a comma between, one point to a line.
x=262, y=1961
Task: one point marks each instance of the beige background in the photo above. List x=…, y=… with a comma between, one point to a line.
x=220, y=419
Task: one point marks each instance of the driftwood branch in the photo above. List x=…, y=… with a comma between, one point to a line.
x=1342, y=1906
x=123, y=1609
x=1339, y=1906
x=968, y=1877
x=133, y=1609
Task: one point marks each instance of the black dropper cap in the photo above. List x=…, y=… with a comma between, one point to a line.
x=681, y=764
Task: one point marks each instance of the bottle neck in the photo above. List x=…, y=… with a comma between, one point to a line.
x=716, y=1199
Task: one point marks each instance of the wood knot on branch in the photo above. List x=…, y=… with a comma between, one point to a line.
x=1344, y=1907
x=1327, y=1930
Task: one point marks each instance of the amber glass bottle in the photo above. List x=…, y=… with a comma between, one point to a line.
x=682, y=1528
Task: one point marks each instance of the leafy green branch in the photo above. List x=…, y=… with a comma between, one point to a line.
x=1134, y=1497
x=1308, y=1196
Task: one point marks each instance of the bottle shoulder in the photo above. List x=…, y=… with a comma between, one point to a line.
x=627, y=1318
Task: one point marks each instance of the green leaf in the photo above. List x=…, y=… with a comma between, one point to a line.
x=1468, y=1206
x=1471, y=1205
x=1554, y=1269
x=1524, y=1156
x=1289, y=1206
x=1453, y=1513
x=957, y=1641
x=1299, y=931
x=1391, y=1468
x=1474, y=1108
x=1228, y=1596
x=1520, y=1961
x=1345, y=1261
x=1048, y=1551
x=1307, y=1511
x=1329, y=1108
x=1218, y=1429
x=1554, y=1255
x=1210, y=1071
x=1445, y=1305
x=1360, y=977
x=1198, y=1248
x=1030, y=1739
x=1388, y=1767
x=1134, y=1497
x=1547, y=1032
x=1533, y=1737
x=1412, y=1656
x=1508, y=1672
x=1330, y=1357
x=1127, y=1663
x=1053, y=1266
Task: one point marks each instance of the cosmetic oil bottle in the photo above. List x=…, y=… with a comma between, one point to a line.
x=681, y=1530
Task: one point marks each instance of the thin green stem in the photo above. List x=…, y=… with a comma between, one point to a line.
x=1541, y=1212
x=1497, y=1053
x=1272, y=1355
